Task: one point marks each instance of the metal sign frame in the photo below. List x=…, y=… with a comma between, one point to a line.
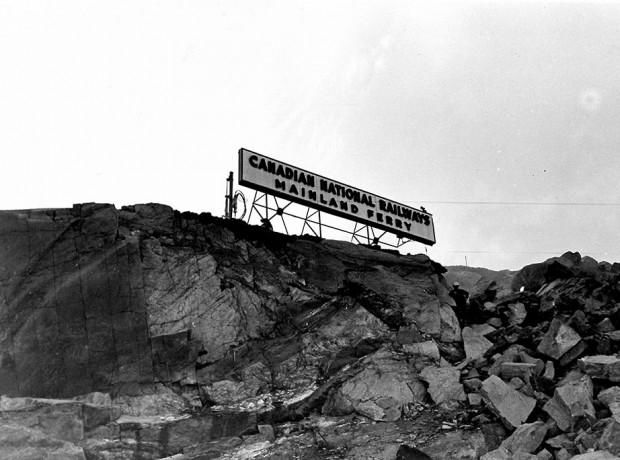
x=361, y=234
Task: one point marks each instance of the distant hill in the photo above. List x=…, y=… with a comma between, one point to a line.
x=476, y=279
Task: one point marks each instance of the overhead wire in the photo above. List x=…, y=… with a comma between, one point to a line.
x=515, y=203
x=518, y=203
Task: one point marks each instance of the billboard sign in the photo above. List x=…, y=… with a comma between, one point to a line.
x=280, y=179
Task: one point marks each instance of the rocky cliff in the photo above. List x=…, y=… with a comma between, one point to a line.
x=99, y=299
x=173, y=312
x=144, y=333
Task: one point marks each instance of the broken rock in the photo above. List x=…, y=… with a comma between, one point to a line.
x=450, y=327
x=601, y=367
x=517, y=313
x=511, y=406
x=549, y=372
x=526, y=438
x=571, y=402
x=443, y=385
x=611, y=398
x=474, y=399
x=474, y=342
x=605, y=325
x=561, y=441
x=596, y=455
x=559, y=339
x=544, y=455
x=523, y=371
x=610, y=439
x=379, y=392
x=428, y=349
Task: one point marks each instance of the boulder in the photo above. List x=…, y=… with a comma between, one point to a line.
x=526, y=438
x=561, y=441
x=604, y=367
x=428, y=349
x=444, y=385
x=532, y=277
x=605, y=325
x=524, y=371
x=474, y=342
x=379, y=391
x=563, y=454
x=571, y=402
x=449, y=324
x=511, y=406
x=610, y=395
x=544, y=454
x=610, y=439
x=559, y=339
x=611, y=398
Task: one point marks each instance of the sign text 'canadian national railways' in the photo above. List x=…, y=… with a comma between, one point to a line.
x=295, y=184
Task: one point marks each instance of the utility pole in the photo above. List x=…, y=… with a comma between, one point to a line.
x=229, y=197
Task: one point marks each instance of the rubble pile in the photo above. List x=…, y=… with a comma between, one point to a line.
x=545, y=361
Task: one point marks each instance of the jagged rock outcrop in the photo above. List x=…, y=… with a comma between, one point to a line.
x=95, y=298
x=175, y=313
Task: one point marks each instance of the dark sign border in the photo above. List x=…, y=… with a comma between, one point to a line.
x=335, y=212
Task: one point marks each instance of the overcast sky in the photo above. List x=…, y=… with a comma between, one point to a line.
x=449, y=106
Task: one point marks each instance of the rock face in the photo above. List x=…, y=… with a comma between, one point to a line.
x=99, y=299
x=19, y=443
x=77, y=429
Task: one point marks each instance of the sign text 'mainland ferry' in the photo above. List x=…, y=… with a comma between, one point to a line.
x=300, y=186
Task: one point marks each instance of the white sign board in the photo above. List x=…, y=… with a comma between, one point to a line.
x=265, y=174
